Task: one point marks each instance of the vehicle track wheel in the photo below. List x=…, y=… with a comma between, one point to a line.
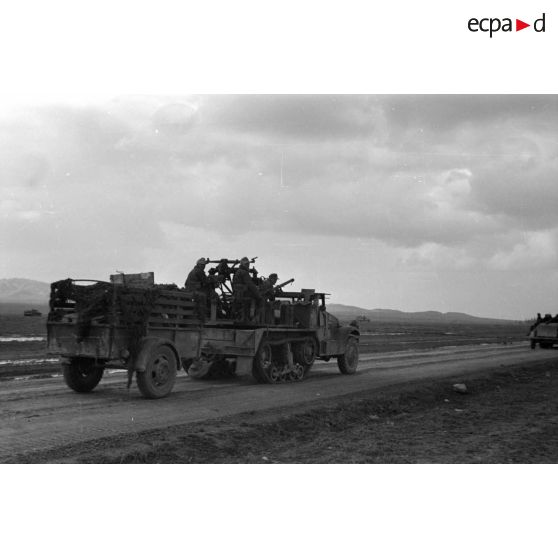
x=275, y=375
x=298, y=372
x=157, y=380
x=348, y=361
x=263, y=364
x=305, y=355
x=82, y=374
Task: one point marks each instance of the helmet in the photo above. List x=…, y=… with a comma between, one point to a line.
x=201, y=261
x=273, y=275
x=244, y=261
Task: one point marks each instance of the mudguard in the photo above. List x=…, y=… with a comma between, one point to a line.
x=345, y=332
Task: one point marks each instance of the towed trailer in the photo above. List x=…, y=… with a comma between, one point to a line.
x=155, y=330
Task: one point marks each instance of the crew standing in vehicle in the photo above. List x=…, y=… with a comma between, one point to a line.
x=198, y=284
x=244, y=291
x=267, y=288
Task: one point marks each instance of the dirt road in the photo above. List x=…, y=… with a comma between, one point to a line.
x=39, y=414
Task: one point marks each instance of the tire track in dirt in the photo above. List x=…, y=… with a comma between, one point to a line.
x=39, y=414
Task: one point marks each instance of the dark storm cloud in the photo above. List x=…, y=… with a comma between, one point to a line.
x=298, y=117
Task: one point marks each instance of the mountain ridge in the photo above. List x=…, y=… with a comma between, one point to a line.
x=385, y=314
x=24, y=291
x=18, y=291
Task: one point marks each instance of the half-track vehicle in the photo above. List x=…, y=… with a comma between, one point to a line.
x=155, y=330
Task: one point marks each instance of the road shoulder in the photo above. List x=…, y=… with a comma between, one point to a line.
x=507, y=415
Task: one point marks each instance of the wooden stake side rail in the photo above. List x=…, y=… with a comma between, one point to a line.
x=158, y=322
x=159, y=302
x=129, y=306
x=178, y=300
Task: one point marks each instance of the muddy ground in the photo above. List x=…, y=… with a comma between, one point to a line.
x=508, y=415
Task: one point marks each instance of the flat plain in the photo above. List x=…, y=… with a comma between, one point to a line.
x=400, y=408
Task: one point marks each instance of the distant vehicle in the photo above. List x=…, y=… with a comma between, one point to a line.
x=32, y=312
x=362, y=319
x=544, y=332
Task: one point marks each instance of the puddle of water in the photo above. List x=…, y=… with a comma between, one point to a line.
x=382, y=334
x=24, y=362
x=17, y=339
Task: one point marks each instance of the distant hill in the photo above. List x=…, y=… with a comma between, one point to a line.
x=24, y=291
x=19, y=294
x=384, y=315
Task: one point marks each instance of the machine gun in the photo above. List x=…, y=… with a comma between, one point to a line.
x=276, y=289
x=222, y=275
x=281, y=285
x=226, y=261
x=226, y=267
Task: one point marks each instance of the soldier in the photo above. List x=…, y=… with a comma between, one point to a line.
x=537, y=322
x=244, y=288
x=199, y=284
x=267, y=288
x=197, y=279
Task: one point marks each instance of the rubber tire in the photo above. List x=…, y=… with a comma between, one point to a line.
x=348, y=361
x=533, y=344
x=261, y=367
x=162, y=360
x=82, y=374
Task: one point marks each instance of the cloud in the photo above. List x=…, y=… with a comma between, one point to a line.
x=442, y=179
x=536, y=250
x=296, y=117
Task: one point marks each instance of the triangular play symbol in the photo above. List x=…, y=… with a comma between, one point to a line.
x=519, y=25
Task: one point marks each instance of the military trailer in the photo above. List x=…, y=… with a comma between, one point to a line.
x=155, y=330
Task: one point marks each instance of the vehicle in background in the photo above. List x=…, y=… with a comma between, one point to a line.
x=31, y=313
x=544, y=332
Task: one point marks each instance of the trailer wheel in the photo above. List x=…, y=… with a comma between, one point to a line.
x=533, y=344
x=348, y=361
x=263, y=364
x=157, y=380
x=82, y=374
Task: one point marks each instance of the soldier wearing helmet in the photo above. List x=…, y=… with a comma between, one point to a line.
x=197, y=279
x=244, y=289
x=199, y=284
x=267, y=288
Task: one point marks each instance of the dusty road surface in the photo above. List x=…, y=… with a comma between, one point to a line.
x=42, y=413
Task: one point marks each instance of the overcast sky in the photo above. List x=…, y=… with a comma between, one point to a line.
x=409, y=202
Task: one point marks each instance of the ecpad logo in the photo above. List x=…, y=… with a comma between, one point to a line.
x=494, y=24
